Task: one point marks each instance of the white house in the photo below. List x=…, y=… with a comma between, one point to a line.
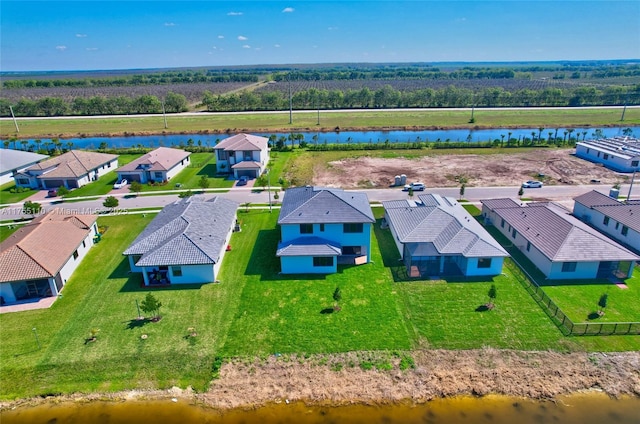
x=185, y=243
x=618, y=153
x=559, y=244
x=39, y=258
x=436, y=236
x=618, y=220
x=243, y=155
x=14, y=162
x=71, y=170
x=159, y=165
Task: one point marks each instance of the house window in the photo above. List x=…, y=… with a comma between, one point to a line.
x=484, y=262
x=569, y=266
x=353, y=228
x=319, y=261
x=625, y=230
x=617, y=225
x=502, y=223
x=158, y=175
x=23, y=181
x=75, y=254
x=84, y=244
x=352, y=250
x=606, y=156
x=605, y=221
x=528, y=246
x=514, y=233
x=321, y=227
x=176, y=271
x=306, y=228
x=109, y=165
x=247, y=155
x=588, y=150
x=598, y=154
x=634, y=163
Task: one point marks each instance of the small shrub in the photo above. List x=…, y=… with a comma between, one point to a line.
x=407, y=362
x=366, y=365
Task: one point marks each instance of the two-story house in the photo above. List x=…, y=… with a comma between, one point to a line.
x=242, y=155
x=321, y=227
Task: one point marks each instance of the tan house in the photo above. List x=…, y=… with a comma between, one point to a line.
x=39, y=258
x=159, y=165
x=71, y=170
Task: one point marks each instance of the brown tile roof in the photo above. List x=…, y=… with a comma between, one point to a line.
x=625, y=213
x=42, y=247
x=560, y=236
x=243, y=142
x=73, y=164
x=160, y=159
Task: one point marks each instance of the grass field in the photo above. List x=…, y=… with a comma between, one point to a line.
x=7, y=197
x=279, y=121
x=254, y=311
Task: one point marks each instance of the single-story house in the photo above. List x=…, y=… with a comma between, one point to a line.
x=185, y=243
x=559, y=244
x=321, y=227
x=436, y=236
x=72, y=169
x=39, y=258
x=159, y=165
x=242, y=155
x=618, y=220
x=618, y=153
x=13, y=162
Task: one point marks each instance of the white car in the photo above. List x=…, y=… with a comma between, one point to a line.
x=120, y=184
x=417, y=186
x=532, y=184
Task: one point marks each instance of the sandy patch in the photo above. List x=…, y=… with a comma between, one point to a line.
x=557, y=166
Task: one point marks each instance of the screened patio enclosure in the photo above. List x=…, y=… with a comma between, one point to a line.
x=423, y=260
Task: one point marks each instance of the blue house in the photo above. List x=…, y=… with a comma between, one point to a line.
x=323, y=227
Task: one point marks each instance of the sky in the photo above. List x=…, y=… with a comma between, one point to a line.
x=96, y=35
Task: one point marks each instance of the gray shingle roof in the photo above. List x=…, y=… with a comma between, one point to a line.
x=317, y=205
x=309, y=246
x=560, y=236
x=16, y=159
x=500, y=203
x=187, y=232
x=625, y=213
x=446, y=226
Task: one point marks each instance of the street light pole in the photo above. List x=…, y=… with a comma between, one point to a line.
x=269, y=187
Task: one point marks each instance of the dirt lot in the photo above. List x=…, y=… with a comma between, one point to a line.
x=498, y=169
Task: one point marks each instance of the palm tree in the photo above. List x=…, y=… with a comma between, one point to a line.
x=540, y=129
x=549, y=139
x=584, y=135
x=502, y=140
x=508, y=138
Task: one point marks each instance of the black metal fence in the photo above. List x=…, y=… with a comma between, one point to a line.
x=564, y=323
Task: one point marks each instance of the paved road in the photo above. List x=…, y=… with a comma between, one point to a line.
x=562, y=194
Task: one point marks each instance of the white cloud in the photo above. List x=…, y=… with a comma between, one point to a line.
x=246, y=46
x=242, y=38
x=81, y=35
x=221, y=36
x=234, y=14
x=332, y=28
x=258, y=48
x=92, y=49
x=461, y=20
x=61, y=48
x=169, y=24
x=288, y=10
x=276, y=45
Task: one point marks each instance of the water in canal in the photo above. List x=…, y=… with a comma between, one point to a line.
x=575, y=409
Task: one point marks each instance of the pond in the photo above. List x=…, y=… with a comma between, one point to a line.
x=456, y=135
x=578, y=409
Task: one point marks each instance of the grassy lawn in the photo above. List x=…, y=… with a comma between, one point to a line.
x=6, y=231
x=279, y=313
x=255, y=311
x=579, y=299
x=7, y=197
x=279, y=121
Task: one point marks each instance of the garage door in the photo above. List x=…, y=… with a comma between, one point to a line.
x=246, y=173
x=53, y=183
x=130, y=178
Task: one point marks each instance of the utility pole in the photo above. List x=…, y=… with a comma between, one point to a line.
x=290, y=100
x=633, y=177
x=269, y=187
x=14, y=119
x=164, y=115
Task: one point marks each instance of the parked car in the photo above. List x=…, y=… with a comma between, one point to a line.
x=416, y=186
x=121, y=184
x=242, y=180
x=532, y=184
x=52, y=193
